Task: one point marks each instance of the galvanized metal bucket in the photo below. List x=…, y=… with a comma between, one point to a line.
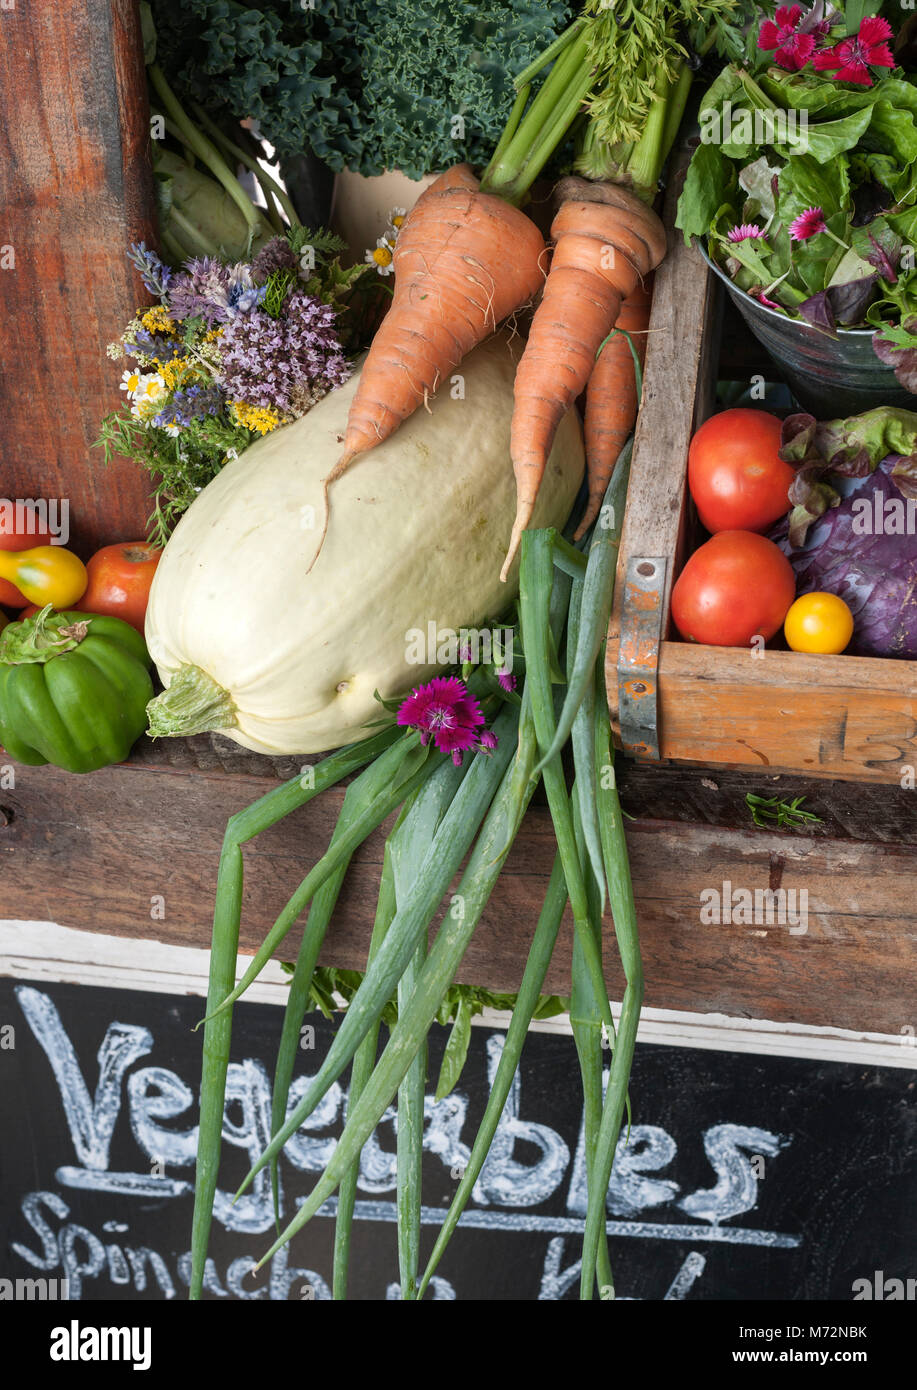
x=830, y=377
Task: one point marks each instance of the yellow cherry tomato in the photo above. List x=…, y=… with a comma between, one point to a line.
x=818, y=623
x=45, y=574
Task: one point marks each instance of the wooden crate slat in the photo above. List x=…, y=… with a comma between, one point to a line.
x=852, y=717
x=681, y=339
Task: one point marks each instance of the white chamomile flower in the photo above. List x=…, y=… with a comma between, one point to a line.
x=130, y=380
x=149, y=394
x=395, y=222
x=381, y=257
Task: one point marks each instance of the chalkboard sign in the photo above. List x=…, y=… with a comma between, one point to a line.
x=744, y=1177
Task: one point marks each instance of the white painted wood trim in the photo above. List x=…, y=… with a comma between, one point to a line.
x=44, y=952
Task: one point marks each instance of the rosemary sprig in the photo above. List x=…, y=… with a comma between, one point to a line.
x=770, y=812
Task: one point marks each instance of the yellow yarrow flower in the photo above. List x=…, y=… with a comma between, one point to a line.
x=173, y=372
x=254, y=417
x=157, y=320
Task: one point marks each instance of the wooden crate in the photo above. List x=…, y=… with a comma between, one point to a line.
x=845, y=717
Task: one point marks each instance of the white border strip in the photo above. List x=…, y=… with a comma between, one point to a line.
x=45, y=952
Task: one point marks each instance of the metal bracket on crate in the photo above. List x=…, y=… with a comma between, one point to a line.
x=638, y=655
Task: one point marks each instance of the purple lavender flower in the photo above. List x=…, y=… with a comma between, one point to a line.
x=213, y=292
x=190, y=403
x=147, y=344
x=283, y=364
x=156, y=276
x=274, y=255
x=201, y=290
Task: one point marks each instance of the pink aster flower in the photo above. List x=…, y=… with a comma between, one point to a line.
x=793, y=49
x=745, y=231
x=444, y=711
x=507, y=679
x=487, y=742
x=808, y=224
x=851, y=59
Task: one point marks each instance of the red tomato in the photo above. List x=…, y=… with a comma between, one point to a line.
x=735, y=476
x=16, y=535
x=736, y=587
x=119, y=581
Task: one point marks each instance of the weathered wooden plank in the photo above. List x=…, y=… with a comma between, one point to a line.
x=133, y=851
x=75, y=189
x=651, y=791
x=867, y=811
x=680, y=348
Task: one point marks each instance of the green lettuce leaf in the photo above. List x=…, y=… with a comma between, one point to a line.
x=823, y=141
x=709, y=182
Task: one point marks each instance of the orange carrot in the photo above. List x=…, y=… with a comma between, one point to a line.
x=464, y=260
x=603, y=250
x=611, y=399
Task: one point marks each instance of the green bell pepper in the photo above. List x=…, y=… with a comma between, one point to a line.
x=74, y=688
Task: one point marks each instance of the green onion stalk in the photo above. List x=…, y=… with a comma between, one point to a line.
x=450, y=821
x=617, y=79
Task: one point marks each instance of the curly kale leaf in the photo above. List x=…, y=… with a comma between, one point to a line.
x=370, y=87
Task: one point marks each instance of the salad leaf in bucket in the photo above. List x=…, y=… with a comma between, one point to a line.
x=804, y=184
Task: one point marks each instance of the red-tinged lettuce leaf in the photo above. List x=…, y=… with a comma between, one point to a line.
x=904, y=473
x=873, y=568
x=885, y=254
x=902, y=360
x=811, y=497
x=850, y=448
x=817, y=311
x=855, y=446
x=797, y=437
x=849, y=302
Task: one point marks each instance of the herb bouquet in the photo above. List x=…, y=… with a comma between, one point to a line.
x=229, y=353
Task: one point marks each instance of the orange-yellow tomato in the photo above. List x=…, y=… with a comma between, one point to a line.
x=819, y=623
x=45, y=574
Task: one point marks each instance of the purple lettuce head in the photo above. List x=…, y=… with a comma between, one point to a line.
x=865, y=551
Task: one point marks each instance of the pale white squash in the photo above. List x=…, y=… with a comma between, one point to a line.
x=285, y=659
